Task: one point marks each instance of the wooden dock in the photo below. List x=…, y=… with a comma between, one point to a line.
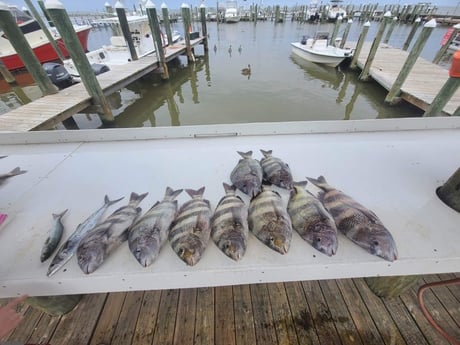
x=39, y=115
x=341, y=311
x=423, y=83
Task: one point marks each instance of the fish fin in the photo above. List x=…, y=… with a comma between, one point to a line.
x=171, y=194
x=137, y=197
x=301, y=184
x=229, y=188
x=154, y=205
x=245, y=155
x=111, y=202
x=266, y=153
x=320, y=182
x=195, y=193
x=59, y=215
x=16, y=171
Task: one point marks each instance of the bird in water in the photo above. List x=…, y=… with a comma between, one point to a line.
x=246, y=71
x=240, y=49
x=215, y=48
x=230, y=50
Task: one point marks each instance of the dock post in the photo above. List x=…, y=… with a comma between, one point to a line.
x=6, y=74
x=449, y=193
x=359, y=45
x=448, y=89
x=40, y=22
x=22, y=47
x=204, y=29
x=345, y=33
x=364, y=76
x=187, y=26
x=121, y=14
x=167, y=23
x=108, y=8
x=411, y=33
x=410, y=61
x=390, y=30
x=89, y=80
x=41, y=4
x=255, y=13
x=338, y=22
x=391, y=286
x=453, y=31
x=277, y=14
x=155, y=27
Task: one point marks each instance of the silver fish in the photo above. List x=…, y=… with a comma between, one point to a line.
x=275, y=170
x=247, y=175
x=108, y=235
x=311, y=220
x=358, y=223
x=54, y=237
x=148, y=234
x=69, y=247
x=269, y=221
x=191, y=229
x=14, y=172
x=229, y=228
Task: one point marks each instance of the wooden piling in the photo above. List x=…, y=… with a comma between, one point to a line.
x=277, y=13
x=392, y=286
x=390, y=30
x=9, y=78
x=166, y=22
x=155, y=28
x=121, y=14
x=412, y=32
x=359, y=45
x=55, y=305
x=410, y=61
x=453, y=31
x=65, y=28
x=42, y=6
x=22, y=47
x=447, y=91
x=204, y=29
x=337, y=24
x=108, y=8
x=345, y=33
x=364, y=76
x=187, y=26
x=449, y=193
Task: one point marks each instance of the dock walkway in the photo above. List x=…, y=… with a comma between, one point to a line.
x=46, y=112
x=421, y=86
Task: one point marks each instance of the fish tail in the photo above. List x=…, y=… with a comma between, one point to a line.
x=195, y=193
x=171, y=194
x=320, y=182
x=245, y=154
x=16, y=171
x=229, y=188
x=301, y=184
x=109, y=202
x=137, y=197
x=59, y=215
x=266, y=153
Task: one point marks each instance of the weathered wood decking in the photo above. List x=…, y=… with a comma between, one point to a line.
x=46, y=112
x=341, y=311
x=421, y=86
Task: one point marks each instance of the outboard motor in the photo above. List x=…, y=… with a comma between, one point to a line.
x=58, y=74
x=99, y=68
x=304, y=40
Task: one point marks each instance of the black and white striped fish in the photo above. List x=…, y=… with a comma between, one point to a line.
x=149, y=233
x=358, y=223
x=275, y=170
x=229, y=224
x=269, y=221
x=190, y=231
x=247, y=175
x=311, y=220
x=107, y=236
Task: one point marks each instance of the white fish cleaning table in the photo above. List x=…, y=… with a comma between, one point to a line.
x=391, y=166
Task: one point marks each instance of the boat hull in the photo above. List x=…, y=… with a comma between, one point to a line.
x=45, y=51
x=330, y=57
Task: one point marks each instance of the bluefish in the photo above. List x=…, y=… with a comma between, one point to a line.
x=229, y=228
x=191, y=229
x=275, y=170
x=107, y=236
x=311, y=220
x=16, y=171
x=69, y=247
x=148, y=234
x=357, y=222
x=54, y=237
x=247, y=174
x=269, y=221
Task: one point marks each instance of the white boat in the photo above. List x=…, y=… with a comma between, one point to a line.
x=335, y=11
x=319, y=51
x=231, y=12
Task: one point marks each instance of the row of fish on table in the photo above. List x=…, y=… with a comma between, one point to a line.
x=189, y=228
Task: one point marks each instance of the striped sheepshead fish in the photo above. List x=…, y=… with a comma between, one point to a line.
x=229, y=224
x=247, y=175
x=275, y=170
x=190, y=231
x=311, y=220
x=149, y=233
x=107, y=236
x=358, y=223
x=269, y=221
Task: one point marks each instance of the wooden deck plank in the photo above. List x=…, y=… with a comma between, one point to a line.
x=245, y=332
x=109, y=318
x=184, y=331
x=263, y=316
x=454, y=289
x=446, y=298
x=224, y=331
x=143, y=333
x=26, y=327
x=44, y=329
x=204, y=318
x=129, y=314
x=164, y=329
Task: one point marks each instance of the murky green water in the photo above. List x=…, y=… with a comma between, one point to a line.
x=281, y=87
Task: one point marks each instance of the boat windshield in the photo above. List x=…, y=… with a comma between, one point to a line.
x=19, y=15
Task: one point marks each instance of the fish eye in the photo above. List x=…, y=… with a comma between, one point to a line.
x=375, y=243
x=181, y=251
x=318, y=239
x=271, y=238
